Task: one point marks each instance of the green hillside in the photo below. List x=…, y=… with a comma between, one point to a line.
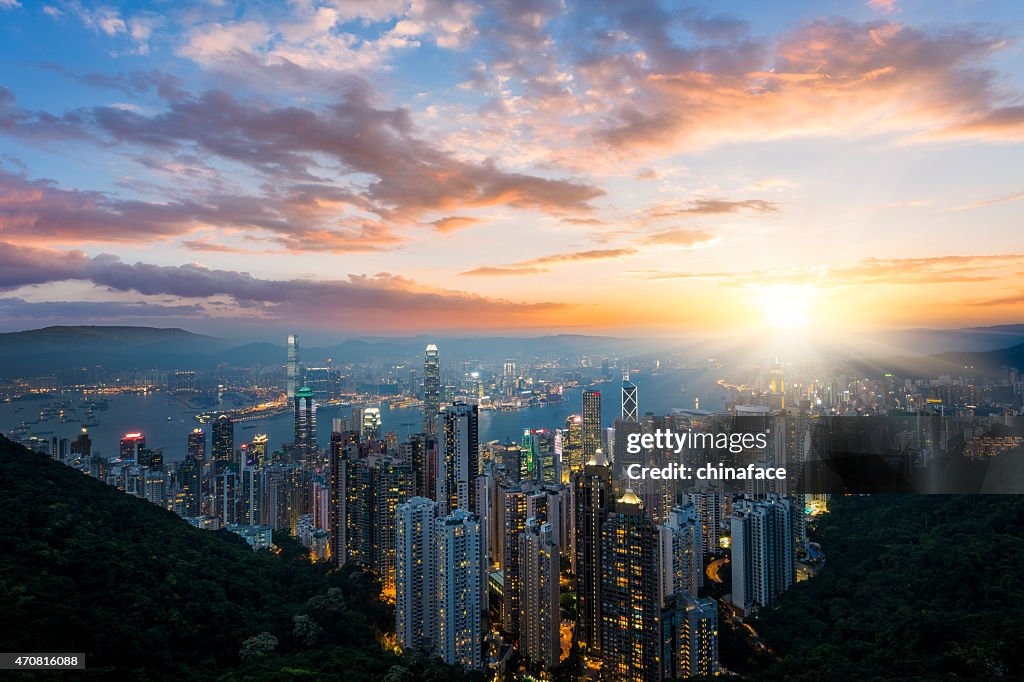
x=85, y=568
x=915, y=587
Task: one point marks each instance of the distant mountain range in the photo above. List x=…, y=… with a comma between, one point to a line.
x=919, y=352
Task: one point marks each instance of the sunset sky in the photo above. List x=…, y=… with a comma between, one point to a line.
x=388, y=167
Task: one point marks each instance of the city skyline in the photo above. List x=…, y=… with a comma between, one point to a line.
x=431, y=166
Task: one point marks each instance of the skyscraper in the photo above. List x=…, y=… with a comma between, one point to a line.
x=572, y=446
x=197, y=444
x=223, y=451
x=763, y=551
x=458, y=457
x=690, y=635
x=305, y=424
x=591, y=425
x=416, y=610
x=459, y=636
x=539, y=612
x=592, y=489
x=392, y=485
x=132, y=446
x=630, y=406
x=631, y=617
x=431, y=390
x=292, y=369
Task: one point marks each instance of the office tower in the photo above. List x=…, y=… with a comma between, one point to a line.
x=458, y=457
x=690, y=634
x=590, y=434
x=682, y=552
x=515, y=514
x=416, y=610
x=293, y=379
x=82, y=445
x=572, y=446
x=459, y=622
x=763, y=551
x=539, y=611
x=592, y=501
x=370, y=423
x=318, y=380
x=189, y=480
x=305, y=425
x=132, y=446
x=510, y=378
x=631, y=618
x=630, y=406
x=258, y=452
x=431, y=390
x=223, y=438
x=197, y=444
x=392, y=485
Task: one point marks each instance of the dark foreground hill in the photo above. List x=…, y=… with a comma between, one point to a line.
x=85, y=568
x=915, y=587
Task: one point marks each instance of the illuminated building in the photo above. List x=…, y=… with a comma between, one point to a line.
x=459, y=618
x=258, y=450
x=590, y=434
x=690, y=637
x=431, y=390
x=416, y=608
x=223, y=440
x=370, y=423
x=292, y=369
x=592, y=490
x=132, y=446
x=318, y=380
x=763, y=551
x=189, y=481
x=344, y=448
x=458, y=457
x=631, y=617
x=392, y=485
x=305, y=425
x=197, y=444
x=539, y=612
x=572, y=446
x=515, y=514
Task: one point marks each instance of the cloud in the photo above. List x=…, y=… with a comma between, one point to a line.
x=701, y=207
x=20, y=309
x=680, y=237
x=1015, y=196
x=1012, y=299
x=541, y=264
x=383, y=299
x=887, y=6
x=869, y=271
x=408, y=176
x=454, y=223
x=827, y=77
x=296, y=219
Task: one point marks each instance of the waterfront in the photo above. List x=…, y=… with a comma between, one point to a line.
x=166, y=421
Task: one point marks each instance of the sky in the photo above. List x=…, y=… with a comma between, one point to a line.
x=520, y=167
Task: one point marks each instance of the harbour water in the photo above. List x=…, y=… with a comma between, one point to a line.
x=167, y=422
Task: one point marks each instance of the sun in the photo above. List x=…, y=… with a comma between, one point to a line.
x=786, y=306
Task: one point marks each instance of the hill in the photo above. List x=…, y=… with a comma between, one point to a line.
x=85, y=568
x=914, y=587
x=985, y=363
